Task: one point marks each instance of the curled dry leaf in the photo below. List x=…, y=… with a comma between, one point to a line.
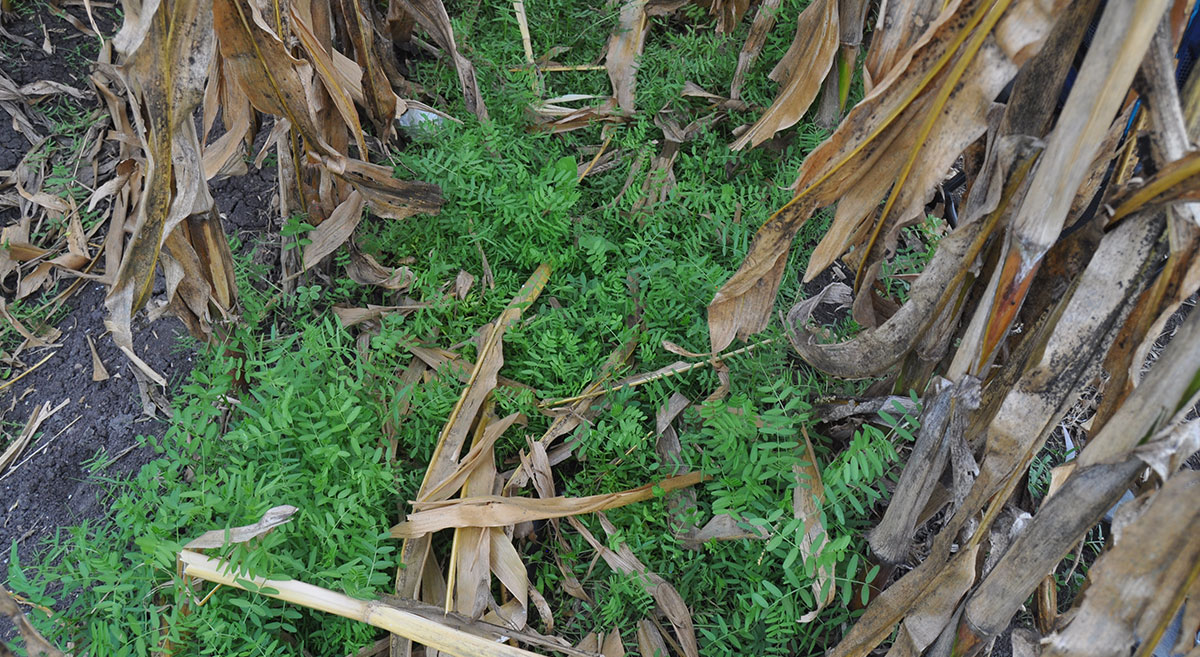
x=724, y=527
x=35, y=643
x=729, y=13
x=365, y=270
x=272, y=518
x=349, y=316
x=555, y=115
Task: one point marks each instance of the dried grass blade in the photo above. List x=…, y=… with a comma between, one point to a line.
x=39, y=415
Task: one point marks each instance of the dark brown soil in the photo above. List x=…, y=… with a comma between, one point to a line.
x=51, y=484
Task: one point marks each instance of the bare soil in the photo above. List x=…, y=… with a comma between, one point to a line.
x=51, y=484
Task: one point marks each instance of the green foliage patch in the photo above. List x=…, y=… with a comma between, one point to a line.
x=310, y=431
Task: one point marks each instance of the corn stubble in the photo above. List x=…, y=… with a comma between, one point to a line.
x=1022, y=306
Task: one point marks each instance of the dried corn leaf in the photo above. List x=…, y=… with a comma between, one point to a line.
x=901, y=23
x=99, y=372
x=332, y=78
x=471, y=550
x=942, y=422
x=557, y=115
x=807, y=499
x=801, y=71
x=760, y=27
x=483, y=629
x=335, y=230
x=495, y=511
x=166, y=62
x=351, y=316
x=1122, y=37
x=274, y=82
x=379, y=97
x=650, y=640
x=833, y=170
x=926, y=619
x=35, y=643
x=624, y=49
x=386, y=195
x=483, y=379
x=432, y=16
x=480, y=458
x=40, y=414
x=612, y=646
